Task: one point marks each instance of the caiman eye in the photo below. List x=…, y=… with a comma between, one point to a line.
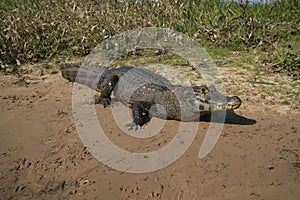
x=196, y=88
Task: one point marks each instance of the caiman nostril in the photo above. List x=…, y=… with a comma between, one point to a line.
x=235, y=101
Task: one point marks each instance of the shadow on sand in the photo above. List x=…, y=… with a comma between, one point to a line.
x=231, y=118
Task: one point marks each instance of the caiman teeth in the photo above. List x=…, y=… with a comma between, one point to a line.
x=220, y=106
x=213, y=107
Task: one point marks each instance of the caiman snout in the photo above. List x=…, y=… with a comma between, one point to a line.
x=233, y=102
x=211, y=100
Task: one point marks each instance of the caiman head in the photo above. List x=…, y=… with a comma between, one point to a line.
x=211, y=100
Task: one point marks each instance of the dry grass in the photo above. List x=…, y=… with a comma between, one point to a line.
x=33, y=30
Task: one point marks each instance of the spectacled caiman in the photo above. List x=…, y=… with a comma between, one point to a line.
x=149, y=94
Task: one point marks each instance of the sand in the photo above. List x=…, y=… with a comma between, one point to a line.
x=42, y=156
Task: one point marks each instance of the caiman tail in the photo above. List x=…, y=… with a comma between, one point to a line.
x=89, y=76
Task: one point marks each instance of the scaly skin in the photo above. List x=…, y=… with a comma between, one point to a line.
x=149, y=94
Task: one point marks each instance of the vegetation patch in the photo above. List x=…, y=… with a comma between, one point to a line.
x=33, y=31
x=284, y=62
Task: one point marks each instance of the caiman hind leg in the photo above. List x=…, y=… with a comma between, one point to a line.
x=140, y=114
x=106, y=88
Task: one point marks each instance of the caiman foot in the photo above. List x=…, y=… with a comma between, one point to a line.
x=140, y=113
x=105, y=101
x=133, y=125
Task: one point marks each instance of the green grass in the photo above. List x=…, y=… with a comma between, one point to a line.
x=34, y=31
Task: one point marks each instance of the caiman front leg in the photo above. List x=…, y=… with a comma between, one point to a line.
x=106, y=89
x=140, y=114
